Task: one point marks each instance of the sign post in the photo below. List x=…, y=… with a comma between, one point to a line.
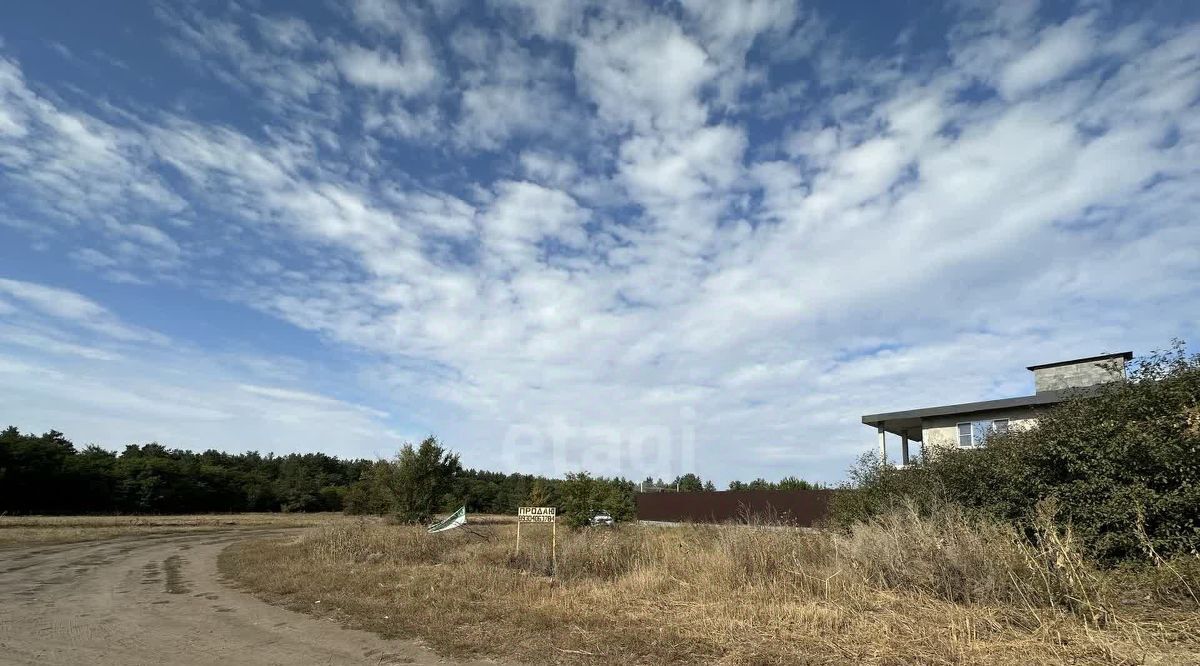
x=540, y=514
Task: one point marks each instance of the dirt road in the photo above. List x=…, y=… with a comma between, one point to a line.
x=157, y=600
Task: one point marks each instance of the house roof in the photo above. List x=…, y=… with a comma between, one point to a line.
x=1125, y=355
x=909, y=421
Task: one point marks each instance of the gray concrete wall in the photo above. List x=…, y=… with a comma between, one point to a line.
x=942, y=431
x=1078, y=375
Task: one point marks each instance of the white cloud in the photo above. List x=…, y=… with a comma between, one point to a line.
x=70, y=307
x=645, y=73
x=525, y=214
x=286, y=32
x=728, y=30
x=382, y=15
x=1059, y=49
x=176, y=395
x=549, y=168
x=409, y=74
x=47, y=342
x=679, y=168
x=509, y=93
x=436, y=213
x=220, y=45
x=611, y=220
x=67, y=165
x=546, y=18
x=494, y=113
x=200, y=405
x=393, y=119
x=403, y=62
x=307, y=399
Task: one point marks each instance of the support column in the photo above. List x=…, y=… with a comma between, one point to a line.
x=882, y=445
x=904, y=448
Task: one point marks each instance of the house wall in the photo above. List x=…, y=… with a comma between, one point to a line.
x=1078, y=375
x=942, y=431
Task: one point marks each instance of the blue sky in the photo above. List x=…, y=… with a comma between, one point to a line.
x=641, y=239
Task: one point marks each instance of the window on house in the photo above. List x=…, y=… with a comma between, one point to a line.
x=975, y=433
x=965, y=435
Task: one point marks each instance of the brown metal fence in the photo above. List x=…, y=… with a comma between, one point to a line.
x=803, y=508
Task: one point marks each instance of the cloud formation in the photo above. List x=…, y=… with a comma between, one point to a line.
x=548, y=224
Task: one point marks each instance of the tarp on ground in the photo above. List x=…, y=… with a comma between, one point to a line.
x=456, y=519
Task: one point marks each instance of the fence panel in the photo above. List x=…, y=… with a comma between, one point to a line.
x=802, y=508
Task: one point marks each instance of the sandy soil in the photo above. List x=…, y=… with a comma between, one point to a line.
x=155, y=599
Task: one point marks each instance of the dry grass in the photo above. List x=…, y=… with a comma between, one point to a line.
x=899, y=590
x=17, y=530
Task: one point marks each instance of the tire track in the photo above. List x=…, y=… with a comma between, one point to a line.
x=154, y=599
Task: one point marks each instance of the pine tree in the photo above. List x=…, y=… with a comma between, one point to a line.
x=539, y=494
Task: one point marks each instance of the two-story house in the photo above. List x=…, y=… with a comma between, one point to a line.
x=968, y=425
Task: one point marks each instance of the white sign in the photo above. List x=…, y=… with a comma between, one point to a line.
x=539, y=514
x=536, y=514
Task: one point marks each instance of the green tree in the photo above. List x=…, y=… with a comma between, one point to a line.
x=618, y=500
x=688, y=483
x=539, y=494
x=582, y=495
x=375, y=492
x=424, y=476
x=578, y=494
x=796, y=483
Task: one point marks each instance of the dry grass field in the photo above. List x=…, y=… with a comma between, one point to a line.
x=18, y=530
x=898, y=590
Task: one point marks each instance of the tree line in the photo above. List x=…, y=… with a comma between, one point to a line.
x=692, y=483
x=48, y=474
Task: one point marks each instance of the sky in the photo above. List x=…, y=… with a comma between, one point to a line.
x=628, y=238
